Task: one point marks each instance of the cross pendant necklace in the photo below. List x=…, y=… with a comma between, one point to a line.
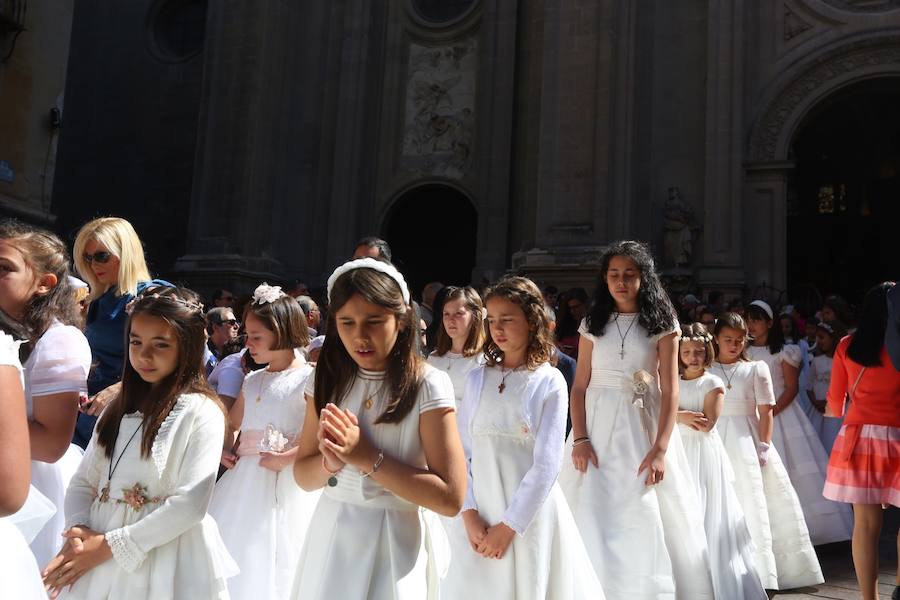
x=504, y=375
x=623, y=337
x=727, y=377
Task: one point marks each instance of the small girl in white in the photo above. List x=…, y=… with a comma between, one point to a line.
x=784, y=555
x=700, y=402
x=460, y=336
x=828, y=334
x=513, y=420
x=141, y=493
x=262, y=514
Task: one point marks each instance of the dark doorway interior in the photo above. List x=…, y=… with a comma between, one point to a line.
x=432, y=231
x=844, y=194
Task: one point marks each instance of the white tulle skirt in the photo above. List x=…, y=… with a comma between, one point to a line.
x=731, y=549
x=52, y=480
x=262, y=517
x=806, y=462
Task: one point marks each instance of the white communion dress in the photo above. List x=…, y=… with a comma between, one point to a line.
x=731, y=550
x=785, y=557
x=457, y=367
x=646, y=542
x=263, y=515
x=363, y=541
x=804, y=455
x=19, y=572
x=818, y=381
x=59, y=363
x=153, y=510
x=514, y=448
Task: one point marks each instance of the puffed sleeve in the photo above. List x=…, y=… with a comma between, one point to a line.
x=61, y=361
x=186, y=506
x=549, y=428
x=436, y=391
x=839, y=384
x=676, y=329
x=762, y=383
x=83, y=486
x=583, y=330
x=792, y=354
x=710, y=383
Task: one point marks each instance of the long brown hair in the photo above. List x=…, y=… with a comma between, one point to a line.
x=475, y=340
x=526, y=295
x=180, y=308
x=336, y=370
x=43, y=252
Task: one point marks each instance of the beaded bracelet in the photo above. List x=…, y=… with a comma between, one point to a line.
x=580, y=441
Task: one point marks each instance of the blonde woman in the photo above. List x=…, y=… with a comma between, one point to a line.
x=108, y=255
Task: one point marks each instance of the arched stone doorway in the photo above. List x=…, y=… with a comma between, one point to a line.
x=843, y=194
x=777, y=252
x=432, y=230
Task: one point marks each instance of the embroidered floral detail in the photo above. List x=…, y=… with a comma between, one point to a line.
x=136, y=497
x=640, y=387
x=104, y=494
x=273, y=440
x=525, y=429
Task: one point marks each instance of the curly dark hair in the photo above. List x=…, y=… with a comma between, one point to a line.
x=523, y=292
x=656, y=313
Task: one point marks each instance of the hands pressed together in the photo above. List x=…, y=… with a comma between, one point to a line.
x=341, y=441
x=488, y=541
x=84, y=549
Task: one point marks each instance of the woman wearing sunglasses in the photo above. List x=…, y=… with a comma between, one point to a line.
x=110, y=257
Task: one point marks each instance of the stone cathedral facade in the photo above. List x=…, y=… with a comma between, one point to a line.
x=259, y=139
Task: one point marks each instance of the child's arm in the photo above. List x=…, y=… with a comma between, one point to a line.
x=583, y=451
x=712, y=406
x=311, y=470
x=791, y=386
x=235, y=418
x=654, y=462
x=15, y=462
x=187, y=504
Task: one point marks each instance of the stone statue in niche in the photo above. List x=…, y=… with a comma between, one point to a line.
x=440, y=109
x=680, y=230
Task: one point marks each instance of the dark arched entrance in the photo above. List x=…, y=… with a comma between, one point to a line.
x=432, y=230
x=843, y=199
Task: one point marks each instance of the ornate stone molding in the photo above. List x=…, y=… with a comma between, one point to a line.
x=869, y=57
x=794, y=25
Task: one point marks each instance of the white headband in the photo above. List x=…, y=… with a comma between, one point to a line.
x=376, y=265
x=765, y=306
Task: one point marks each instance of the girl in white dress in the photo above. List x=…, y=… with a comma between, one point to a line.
x=460, y=337
x=513, y=420
x=383, y=437
x=460, y=340
x=18, y=569
x=628, y=483
x=701, y=394
x=798, y=445
x=784, y=555
x=261, y=513
x=828, y=334
x=136, y=507
x=38, y=295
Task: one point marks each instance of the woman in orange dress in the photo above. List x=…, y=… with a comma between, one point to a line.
x=864, y=468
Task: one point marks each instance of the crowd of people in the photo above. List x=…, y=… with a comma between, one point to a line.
x=508, y=441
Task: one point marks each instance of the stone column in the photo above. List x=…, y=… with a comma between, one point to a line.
x=722, y=255
x=764, y=219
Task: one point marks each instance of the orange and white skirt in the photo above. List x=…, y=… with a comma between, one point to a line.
x=864, y=467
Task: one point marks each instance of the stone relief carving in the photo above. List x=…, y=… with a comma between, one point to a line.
x=680, y=230
x=764, y=139
x=793, y=24
x=864, y=6
x=439, y=123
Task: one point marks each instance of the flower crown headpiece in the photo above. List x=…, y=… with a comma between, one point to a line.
x=376, y=265
x=190, y=304
x=704, y=338
x=266, y=294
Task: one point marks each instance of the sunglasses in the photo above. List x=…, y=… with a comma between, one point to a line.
x=100, y=257
x=229, y=322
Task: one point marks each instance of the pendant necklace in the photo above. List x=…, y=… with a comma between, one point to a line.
x=623, y=337
x=504, y=375
x=369, y=401
x=262, y=384
x=104, y=493
x=728, y=378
